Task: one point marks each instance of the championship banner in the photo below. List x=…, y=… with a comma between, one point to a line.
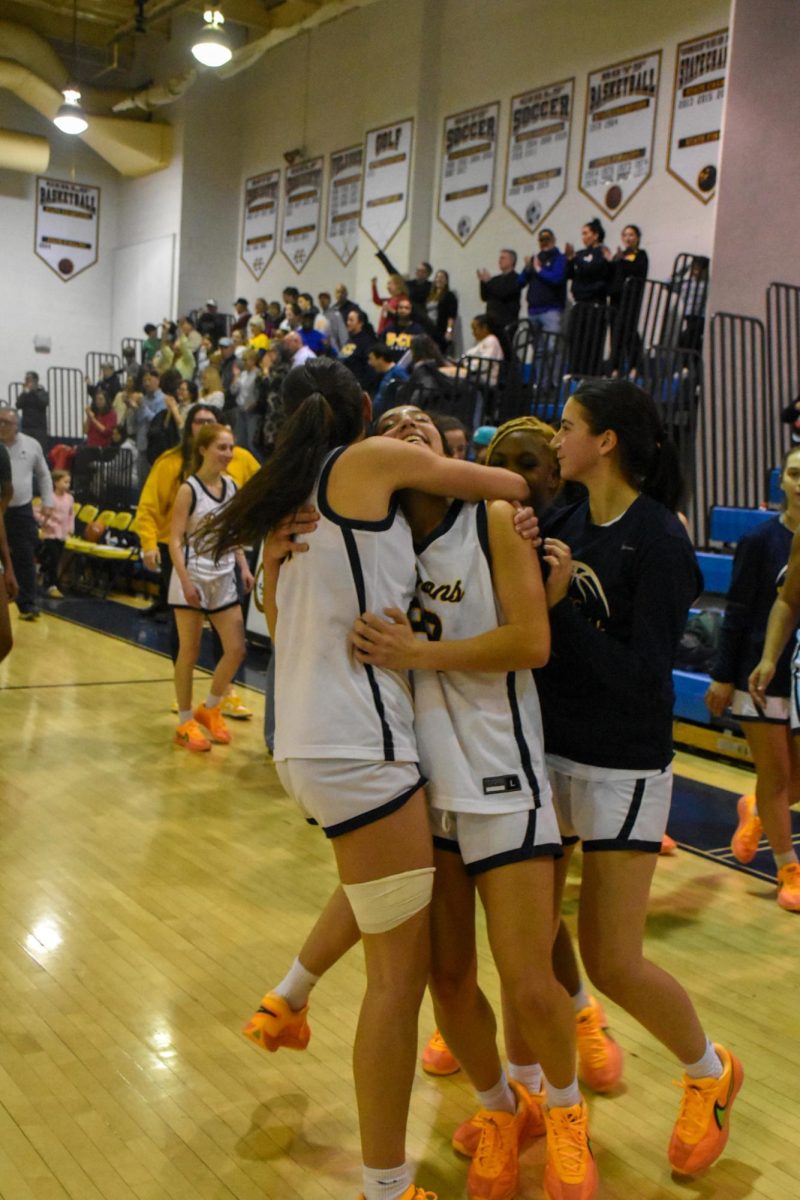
x=387, y=167
x=538, y=151
x=698, y=100
x=67, y=226
x=344, y=201
x=302, y=211
x=260, y=222
x=617, y=157
x=466, y=184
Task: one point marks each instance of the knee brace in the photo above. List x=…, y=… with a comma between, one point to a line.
x=383, y=904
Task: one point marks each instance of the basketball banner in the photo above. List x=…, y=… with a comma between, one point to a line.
x=67, y=226
x=617, y=157
x=538, y=151
x=344, y=201
x=387, y=169
x=698, y=99
x=302, y=211
x=260, y=221
x=466, y=182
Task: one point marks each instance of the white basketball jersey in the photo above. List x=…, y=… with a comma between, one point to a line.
x=201, y=563
x=479, y=733
x=328, y=705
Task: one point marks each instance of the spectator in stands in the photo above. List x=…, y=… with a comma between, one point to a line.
x=242, y=317
x=299, y=352
x=239, y=340
x=131, y=369
x=400, y=328
x=337, y=330
x=501, y=294
x=212, y=385
x=56, y=527
x=109, y=382
x=186, y=395
x=429, y=370
x=99, y=421
x=355, y=352
x=383, y=362
x=589, y=268
x=418, y=286
x=480, y=442
x=227, y=366
x=247, y=393
x=28, y=471
x=150, y=344
x=33, y=403
x=211, y=323
x=455, y=433
x=441, y=308
x=165, y=428
x=258, y=339
x=546, y=277
x=289, y=295
x=396, y=287
x=149, y=403
x=276, y=366
x=312, y=337
x=487, y=345
x=274, y=313
x=693, y=295
x=344, y=304
x=629, y=262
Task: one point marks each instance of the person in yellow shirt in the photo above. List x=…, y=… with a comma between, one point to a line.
x=258, y=339
x=154, y=514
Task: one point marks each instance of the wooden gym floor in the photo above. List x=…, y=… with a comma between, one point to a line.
x=148, y=897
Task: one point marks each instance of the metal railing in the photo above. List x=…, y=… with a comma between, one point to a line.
x=15, y=390
x=783, y=342
x=135, y=344
x=68, y=398
x=674, y=378
x=95, y=360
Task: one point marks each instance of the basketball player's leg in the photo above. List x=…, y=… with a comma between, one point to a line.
x=189, y=622
x=229, y=624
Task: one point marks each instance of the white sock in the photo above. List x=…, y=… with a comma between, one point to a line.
x=563, y=1097
x=580, y=999
x=184, y=715
x=386, y=1184
x=528, y=1074
x=783, y=860
x=296, y=986
x=500, y=1098
x=212, y=701
x=707, y=1067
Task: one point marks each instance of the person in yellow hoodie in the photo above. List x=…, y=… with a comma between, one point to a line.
x=154, y=514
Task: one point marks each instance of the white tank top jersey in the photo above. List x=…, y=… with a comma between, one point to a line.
x=328, y=705
x=201, y=565
x=479, y=733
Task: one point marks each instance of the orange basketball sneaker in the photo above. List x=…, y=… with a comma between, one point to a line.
x=213, y=720
x=529, y=1107
x=703, y=1123
x=412, y=1193
x=744, y=843
x=191, y=737
x=570, y=1172
x=275, y=1025
x=437, y=1059
x=599, y=1056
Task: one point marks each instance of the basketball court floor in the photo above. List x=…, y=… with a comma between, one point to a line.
x=148, y=897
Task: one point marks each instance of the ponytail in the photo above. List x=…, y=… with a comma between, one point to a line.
x=647, y=458
x=323, y=402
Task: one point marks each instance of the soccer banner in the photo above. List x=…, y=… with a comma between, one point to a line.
x=698, y=100
x=67, y=226
x=466, y=183
x=260, y=221
x=617, y=156
x=538, y=150
x=344, y=201
x=302, y=211
x=387, y=169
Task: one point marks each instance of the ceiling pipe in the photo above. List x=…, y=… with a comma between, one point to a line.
x=23, y=152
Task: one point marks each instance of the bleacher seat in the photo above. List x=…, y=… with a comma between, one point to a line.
x=717, y=570
x=729, y=524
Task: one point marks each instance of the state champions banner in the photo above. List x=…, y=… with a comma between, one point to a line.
x=260, y=221
x=67, y=226
x=344, y=201
x=302, y=211
x=538, y=151
x=701, y=68
x=619, y=127
x=387, y=170
x=466, y=182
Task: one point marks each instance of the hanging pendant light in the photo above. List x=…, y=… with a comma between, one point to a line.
x=211, y=48
x=70, y=118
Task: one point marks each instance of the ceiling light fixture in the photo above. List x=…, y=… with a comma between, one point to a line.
x=70, y=118
x=211, y=48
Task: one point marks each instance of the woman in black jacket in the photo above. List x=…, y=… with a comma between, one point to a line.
x=590, y=272
x=442, y=310
x=629, y=262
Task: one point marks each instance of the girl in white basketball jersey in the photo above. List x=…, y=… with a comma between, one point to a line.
x=202, y=586
x=345, y=744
